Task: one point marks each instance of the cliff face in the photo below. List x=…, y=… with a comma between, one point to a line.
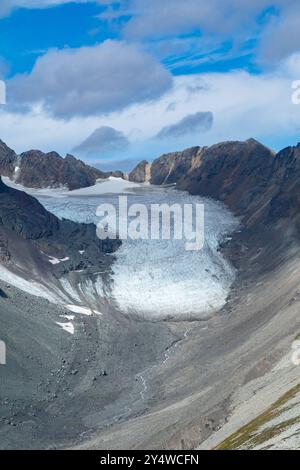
x=40, y=170
x=140, y=173
x=286, y=184
x=255, y=183
x=169, y=168
x=36, y=169
x=8, y=160
x=236, y=173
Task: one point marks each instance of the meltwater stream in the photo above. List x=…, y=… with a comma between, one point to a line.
x=158, y=278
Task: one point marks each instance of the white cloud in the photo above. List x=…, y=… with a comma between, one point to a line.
x=91, y=80
x=157, y=18
x=243, y=106
x=282, y=35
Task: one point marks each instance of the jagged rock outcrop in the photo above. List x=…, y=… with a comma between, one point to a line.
x=8, y=159
x=141, y=173
x=254, y=182
x=40, y=170
x=248, y=177
x=29, y=231
x=115, y=174
x=236, y=173
x=169, y=168
x=36, y=169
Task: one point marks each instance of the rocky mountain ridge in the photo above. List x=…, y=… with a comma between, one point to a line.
x=253, y=181
x=36, y=169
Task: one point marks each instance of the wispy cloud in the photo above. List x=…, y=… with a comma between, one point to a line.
x=191, y=124
x=103, y=140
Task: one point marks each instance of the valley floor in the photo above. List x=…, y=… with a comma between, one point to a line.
x=118, y=383
x=231, y=374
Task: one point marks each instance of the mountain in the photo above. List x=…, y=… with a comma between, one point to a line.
x=8, y=160
x=246, y=176
x=30, y=236
x=104, y=379
x=141, y=173
x=36, y=169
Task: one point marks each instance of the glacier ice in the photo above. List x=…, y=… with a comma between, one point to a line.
x=159, y=278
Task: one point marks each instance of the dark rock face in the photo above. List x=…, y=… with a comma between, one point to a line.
x=27, y=229
x=255, y=183
x=139, y=173
x=24, y=215
x=40, y=170
x=8, y=160
x=115, y=174
x=36, y=169
x=237, y=173
x=240, y=174
x=285, y=182
x=169, y=168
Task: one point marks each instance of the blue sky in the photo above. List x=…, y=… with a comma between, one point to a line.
x=110, y=77
x=28, y=33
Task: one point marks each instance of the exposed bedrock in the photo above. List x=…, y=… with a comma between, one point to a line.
x=8, y=160
x=168, y=385
x=254, y=182
x=36, y=169
x=141, y=173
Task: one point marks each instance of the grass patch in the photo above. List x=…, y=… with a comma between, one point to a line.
x=249, y=436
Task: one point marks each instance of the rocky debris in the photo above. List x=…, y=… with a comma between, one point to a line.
x=4, y=253
x=36, y=169
x=3, y=295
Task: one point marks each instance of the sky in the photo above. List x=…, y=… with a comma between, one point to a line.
x=117, y=81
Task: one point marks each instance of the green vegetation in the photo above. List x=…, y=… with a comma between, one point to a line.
x=249, y=435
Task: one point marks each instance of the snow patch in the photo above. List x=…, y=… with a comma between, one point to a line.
x=82, y=310
x=56, y=260
x=68, y=288
x=31, y=287
x=111, y=185
x=68, y=317
x=68, y=327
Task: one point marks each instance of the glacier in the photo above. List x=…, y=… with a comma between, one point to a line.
x=157, y=279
